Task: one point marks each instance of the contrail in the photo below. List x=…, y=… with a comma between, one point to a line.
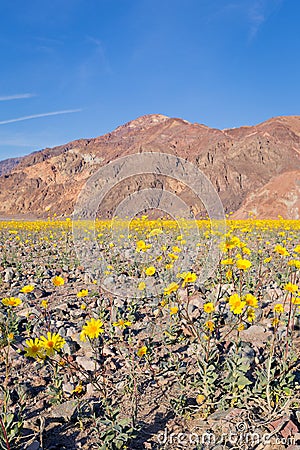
x=15, y=97
x=35, y=116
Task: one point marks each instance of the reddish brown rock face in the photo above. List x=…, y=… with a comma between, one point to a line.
x=252, y=168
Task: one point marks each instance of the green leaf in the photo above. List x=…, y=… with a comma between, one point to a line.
x=243, y=381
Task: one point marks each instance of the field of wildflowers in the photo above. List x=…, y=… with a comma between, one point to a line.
x=111, y=358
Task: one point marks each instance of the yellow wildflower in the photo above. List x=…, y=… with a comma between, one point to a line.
x=164, y=302
x=150, y=271
x=210, y=325
x=82, y=293
x=227, y=262
x=173, y=310
x=176, y=249
x=78, y=389
x=250, y=315
x=58, y=281
x=241, y=327
x=229, y=274
x=142, y=351
x=53, y=342
x=208, y=307
x=27, y=289
x=11, y=301
x=172, y=287
x=140, y=245
x=122, y=324
x=200, y=399
x=278, y=308
x=243, y=264
x=44, y=304
x=142, y=285
x=34, y=349
x=290, y=287
x=229, y=244
x=281, y=250
x=251, y=300
x=294, y=263
x=236, y=304
x=275, y=322
x=189, y=277
x=91, y=329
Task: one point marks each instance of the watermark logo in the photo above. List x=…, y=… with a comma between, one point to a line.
x=241, y=436
x=119, y=248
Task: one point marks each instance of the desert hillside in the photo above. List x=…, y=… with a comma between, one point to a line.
x=254, y=169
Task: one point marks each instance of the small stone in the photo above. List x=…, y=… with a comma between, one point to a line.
x=107, y=351
x=71, y=346
x=289, y=429
x=86, y=363
x=40, y=293
x=71, y=331
x=87, y=278
x=256, y=335
x=64, y=410
x=90, y=389
x=63, y=306
x=8, y=274
x=68, y=387
x=34, y=446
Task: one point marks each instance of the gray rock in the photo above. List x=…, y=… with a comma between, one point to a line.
x=64, y=410
x=8, y=274
x=34, y=446
x=68, y=387
x=39, y=293
x=71, y=346
x=86, y=363
x=71, y=331
x=62, y=331
x=87, y=278
x=90, y=389
x=256, y=335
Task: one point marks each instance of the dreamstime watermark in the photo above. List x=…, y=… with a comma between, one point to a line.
x=241, y=436
x=119, y=174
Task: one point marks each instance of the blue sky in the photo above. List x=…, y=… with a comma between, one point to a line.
x=96, y=64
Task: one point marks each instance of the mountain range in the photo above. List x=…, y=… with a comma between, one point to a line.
x=254, y=169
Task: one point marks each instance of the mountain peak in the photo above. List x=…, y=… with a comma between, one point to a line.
x=142, y=122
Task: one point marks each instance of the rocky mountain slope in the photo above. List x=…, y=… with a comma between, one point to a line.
x=7, y=165
x=252, y=168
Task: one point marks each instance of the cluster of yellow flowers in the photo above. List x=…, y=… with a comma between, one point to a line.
x=40, y=348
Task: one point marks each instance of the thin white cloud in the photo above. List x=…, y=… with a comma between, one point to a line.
x=253, y=12
x=259, y=12
x=15, y=97
x=36, y=116
x=257, y=16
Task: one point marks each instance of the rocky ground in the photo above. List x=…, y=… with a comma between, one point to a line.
x=106, y=393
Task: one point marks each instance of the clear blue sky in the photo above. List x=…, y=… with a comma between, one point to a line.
x=218, y=62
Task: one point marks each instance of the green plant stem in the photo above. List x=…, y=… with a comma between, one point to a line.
x=4, y=434
x=269, y=373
